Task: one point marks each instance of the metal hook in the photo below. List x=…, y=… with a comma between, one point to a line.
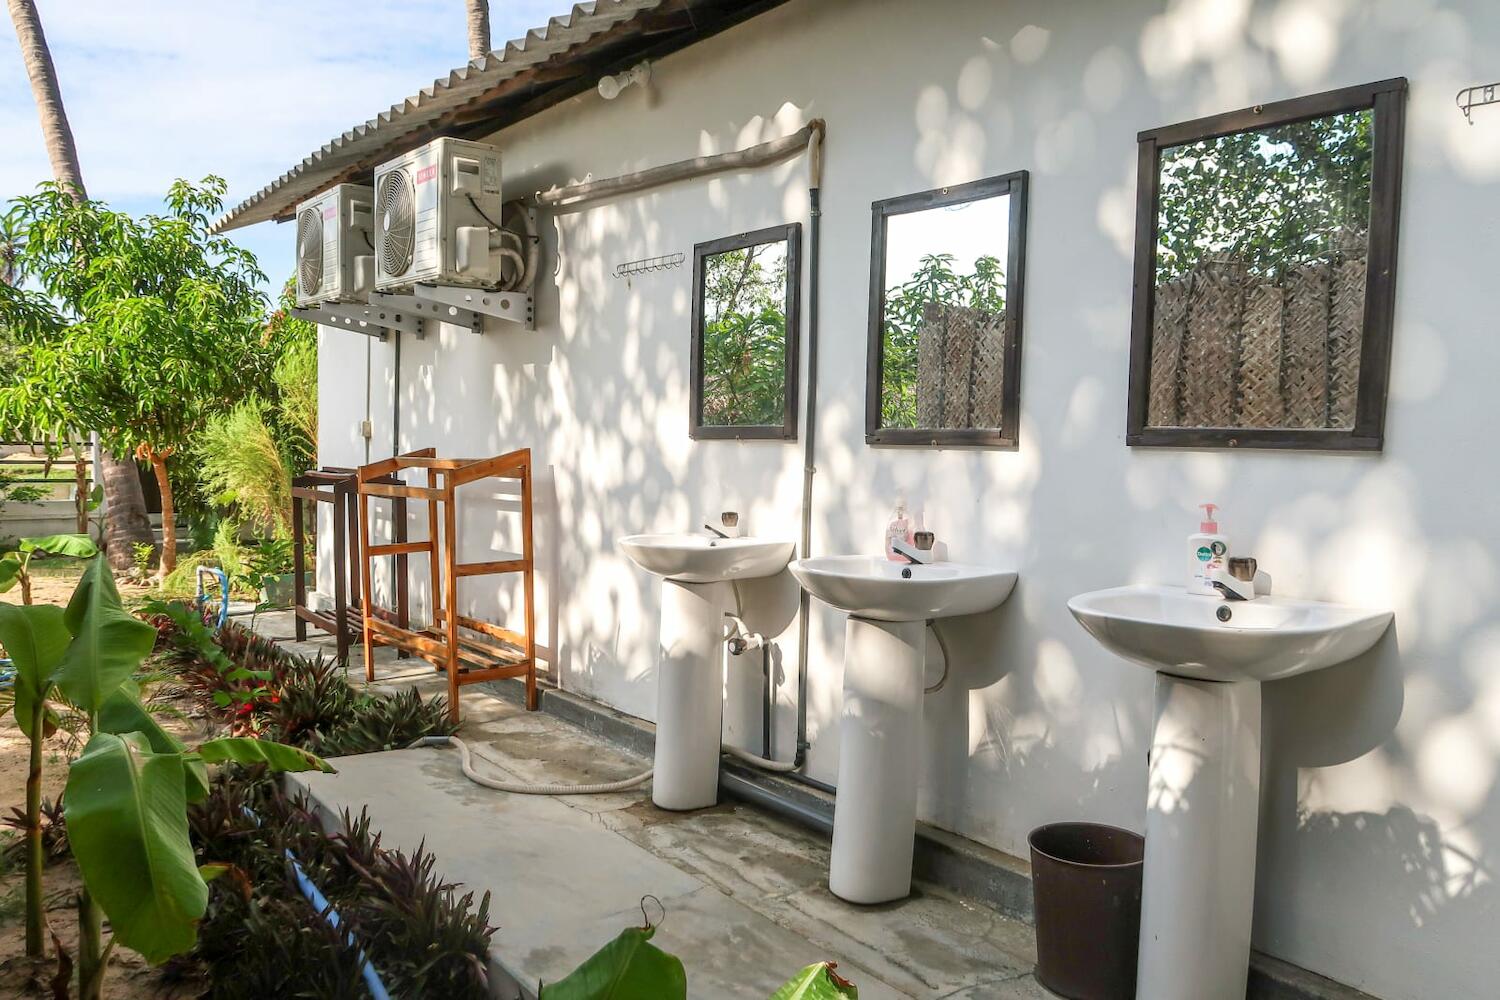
x=1467, y=102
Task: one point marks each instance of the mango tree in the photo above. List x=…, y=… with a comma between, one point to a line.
x=127, y=794
x=135, y=327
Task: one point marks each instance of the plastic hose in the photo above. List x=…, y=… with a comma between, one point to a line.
x=761, y=762
x=943, y=645
x=522, y=787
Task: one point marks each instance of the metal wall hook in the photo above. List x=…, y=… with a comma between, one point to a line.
x=647, y=265
x=1476, y=97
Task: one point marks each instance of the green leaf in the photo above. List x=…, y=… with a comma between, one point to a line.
x=108, y=642
x=816, y=982
x=628, y=968
x=277, y=756
x=60, y=545
x=35, y=639
x=122, y=713
x=127, y=824
x=10, y=571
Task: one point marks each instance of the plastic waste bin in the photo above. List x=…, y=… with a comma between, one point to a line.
x=1086, y=890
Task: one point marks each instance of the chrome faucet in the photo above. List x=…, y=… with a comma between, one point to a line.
x=730, y=519
x=1238, y=583
x=919, y=553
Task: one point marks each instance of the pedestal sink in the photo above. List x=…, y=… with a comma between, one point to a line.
x=889, y=604
x=1203, y=798
x=695, y=594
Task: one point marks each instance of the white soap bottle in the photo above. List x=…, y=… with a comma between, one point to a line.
x=899, y=530
x=1208, y=551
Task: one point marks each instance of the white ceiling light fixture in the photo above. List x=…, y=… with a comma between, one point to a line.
x=610, y=86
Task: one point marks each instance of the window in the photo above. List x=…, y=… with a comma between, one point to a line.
x=945, y=315
x=746, y=292
x=1265, y=274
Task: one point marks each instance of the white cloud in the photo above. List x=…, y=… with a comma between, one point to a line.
x=175, y=88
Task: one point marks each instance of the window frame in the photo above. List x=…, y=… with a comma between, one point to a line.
x=1387, y=101
x=791, y=234
x=1015, y=184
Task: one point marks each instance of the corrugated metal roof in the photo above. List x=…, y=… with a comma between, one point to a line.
x=429, y=106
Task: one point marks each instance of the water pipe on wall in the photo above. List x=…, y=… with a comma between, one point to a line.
x=810, y=138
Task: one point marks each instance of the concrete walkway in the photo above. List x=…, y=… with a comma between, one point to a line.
x=744, y=891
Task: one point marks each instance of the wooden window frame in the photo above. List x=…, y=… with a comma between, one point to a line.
x=1016, y=185
x=1387, y=101
x=791, y=234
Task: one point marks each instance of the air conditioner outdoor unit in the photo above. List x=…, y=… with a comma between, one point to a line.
x=335, y=252
x=437, y=217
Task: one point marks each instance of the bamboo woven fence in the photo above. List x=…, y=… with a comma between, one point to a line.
x=1230, y=348
x=960, y=367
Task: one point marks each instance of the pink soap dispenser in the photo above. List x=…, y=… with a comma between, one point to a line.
x=899, y=530
x=1208, y=550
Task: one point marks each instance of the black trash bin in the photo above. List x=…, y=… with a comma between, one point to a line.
x=1086, y=889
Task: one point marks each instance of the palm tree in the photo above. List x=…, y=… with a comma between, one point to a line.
x=126, y=523
x=479, y=28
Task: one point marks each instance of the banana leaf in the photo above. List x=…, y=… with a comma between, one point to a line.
x=108, y=642
x=816, y=982
x=278, y=756
x=35, y=640
x=628, y=968
x=122, y=712
x=126, y=809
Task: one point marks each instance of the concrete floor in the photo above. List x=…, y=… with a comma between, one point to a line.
x=744, y=891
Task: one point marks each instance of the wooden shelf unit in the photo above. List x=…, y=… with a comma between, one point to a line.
x=467, y=650
x=338, y=487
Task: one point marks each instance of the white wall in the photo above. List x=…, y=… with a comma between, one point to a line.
x=1381, y=814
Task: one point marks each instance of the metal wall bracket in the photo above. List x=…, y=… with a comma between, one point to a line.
x=517, y=307
x=428, y=309
x=371, y=320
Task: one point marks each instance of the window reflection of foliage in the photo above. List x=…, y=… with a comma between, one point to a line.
x=1269, y=198
x=744, y=337
x=933, y=281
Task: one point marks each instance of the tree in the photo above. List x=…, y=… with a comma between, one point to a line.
x=934, y=280
x=127, y=522
x=1269, y=199
x=744, y=336
x=479, y=28
x=136, y=327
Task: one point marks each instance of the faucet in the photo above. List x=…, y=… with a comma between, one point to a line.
x=730, y=519
x=919, y=553
x=1238, y=583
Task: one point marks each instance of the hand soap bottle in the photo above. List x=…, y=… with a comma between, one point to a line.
x=899, y=530
x=1207, y=551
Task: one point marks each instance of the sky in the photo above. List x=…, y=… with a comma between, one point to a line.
x=161, y=89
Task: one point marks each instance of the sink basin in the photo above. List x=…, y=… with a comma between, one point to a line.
x=700, y=559
x=874, y=588
x=1203, y=770
x=1269, y=638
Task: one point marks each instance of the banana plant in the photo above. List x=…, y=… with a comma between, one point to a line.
x=127, y=794
x=15, y=564
x=817, y=982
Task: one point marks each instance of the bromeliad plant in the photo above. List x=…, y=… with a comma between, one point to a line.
x=127, y=795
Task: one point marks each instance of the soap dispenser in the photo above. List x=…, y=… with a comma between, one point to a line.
x=1208, y=552
x=899, y=530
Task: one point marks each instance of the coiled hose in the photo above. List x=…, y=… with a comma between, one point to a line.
x=522, y=787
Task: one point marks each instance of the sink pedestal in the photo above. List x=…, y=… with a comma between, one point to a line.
x=1202, y=815
x=689, y=694
x=875, y=814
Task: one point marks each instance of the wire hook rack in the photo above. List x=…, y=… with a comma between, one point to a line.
x=1476, y=97
x=649, y=265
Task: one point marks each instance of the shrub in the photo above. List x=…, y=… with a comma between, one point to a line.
x=425, y=939
x=242, y=464
x=386, y=723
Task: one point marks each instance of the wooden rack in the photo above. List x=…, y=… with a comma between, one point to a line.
x=337, y=486
x=467, y=650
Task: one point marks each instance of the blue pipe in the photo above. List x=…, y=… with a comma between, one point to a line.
x=325, y=909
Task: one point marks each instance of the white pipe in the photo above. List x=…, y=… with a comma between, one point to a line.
x=942, y=645
x=523, y=787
